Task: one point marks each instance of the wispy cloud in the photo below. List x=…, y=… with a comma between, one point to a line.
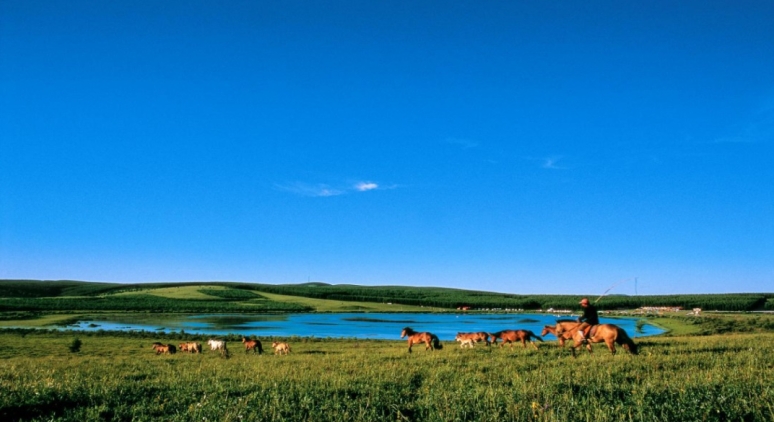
x=365, y=186
x=325, y=190
x=552, y=163
x=307, y=189
x=462, y=143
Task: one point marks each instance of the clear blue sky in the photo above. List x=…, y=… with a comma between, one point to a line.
x=527, y=147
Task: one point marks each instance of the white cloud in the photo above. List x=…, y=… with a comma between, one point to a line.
x=364, y=186
x=306, y=189
x=324, y=190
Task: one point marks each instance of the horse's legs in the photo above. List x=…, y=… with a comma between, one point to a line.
x=532, y=342
x=409, y=347
x=610, y=345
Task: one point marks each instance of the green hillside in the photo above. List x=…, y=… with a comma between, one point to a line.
x=66, y=295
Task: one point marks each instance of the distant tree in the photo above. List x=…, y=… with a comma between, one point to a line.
x=75, y=345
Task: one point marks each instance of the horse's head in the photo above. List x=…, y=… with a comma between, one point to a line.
x=244, y=340
x=406, y=332
x=546, y=330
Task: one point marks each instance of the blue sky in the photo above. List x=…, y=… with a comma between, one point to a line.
x=527, y=147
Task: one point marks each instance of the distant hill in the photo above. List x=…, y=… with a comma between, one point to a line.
x=25, y=291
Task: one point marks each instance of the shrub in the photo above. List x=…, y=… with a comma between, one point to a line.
x=75, y=345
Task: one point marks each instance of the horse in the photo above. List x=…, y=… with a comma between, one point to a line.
x=431, y=340
x=164, y=348
x=280, y=348
x=510, y=336
x=562, y=331
x=190, y=347
x=610, y=334
x=476, y=337
x=252, y=345
x=218, y=345
x=464, y=341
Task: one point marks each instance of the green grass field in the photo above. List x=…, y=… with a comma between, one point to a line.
x=716, y=367
x=113, y=377
x=327, y=305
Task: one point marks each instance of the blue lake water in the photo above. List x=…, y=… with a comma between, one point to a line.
x=385, y=326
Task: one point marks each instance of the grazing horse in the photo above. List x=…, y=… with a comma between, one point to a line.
x=164, y=348
x=190, y=347
x=464, y=341
x=280, y=348
x=476, y=337
x=219, y=345
x=216, y=344
x=431, y=340
x=252, y=345
x=610, y=334
x=511, y=336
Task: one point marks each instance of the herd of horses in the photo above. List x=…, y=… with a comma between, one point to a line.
x=564, y=330
x=280, y=348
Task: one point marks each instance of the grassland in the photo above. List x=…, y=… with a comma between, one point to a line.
x=328, y=305
x=117, y=377
x=716, y=367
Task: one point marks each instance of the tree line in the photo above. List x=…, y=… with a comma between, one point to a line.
x=24, y=295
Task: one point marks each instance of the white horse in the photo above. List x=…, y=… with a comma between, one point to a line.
x=217, y=345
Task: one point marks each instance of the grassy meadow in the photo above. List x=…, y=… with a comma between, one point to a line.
x=717, y=367
x=118, y=377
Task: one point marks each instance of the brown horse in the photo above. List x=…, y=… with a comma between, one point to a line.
x=164, y=348
x=464, y=341
x=563, y=330
x=252, y=345
x=476, y=337
x=190, y=347
x=280, y=348
x=610, y=334
x=511, y=336
x=431, y=340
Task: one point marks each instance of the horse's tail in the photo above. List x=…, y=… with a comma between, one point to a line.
x=437, y=343
x=259, y=347
x=534, y=335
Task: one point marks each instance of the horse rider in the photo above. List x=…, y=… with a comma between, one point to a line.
x=588, y=319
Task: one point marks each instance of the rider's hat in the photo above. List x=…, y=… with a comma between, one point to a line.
x=584, y=301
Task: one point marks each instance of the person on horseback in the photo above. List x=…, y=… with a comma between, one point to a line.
x=588, y=319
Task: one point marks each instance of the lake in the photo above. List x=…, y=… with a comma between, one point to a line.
x=384, y=326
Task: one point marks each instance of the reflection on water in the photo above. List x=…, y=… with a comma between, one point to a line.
x=374, y=326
